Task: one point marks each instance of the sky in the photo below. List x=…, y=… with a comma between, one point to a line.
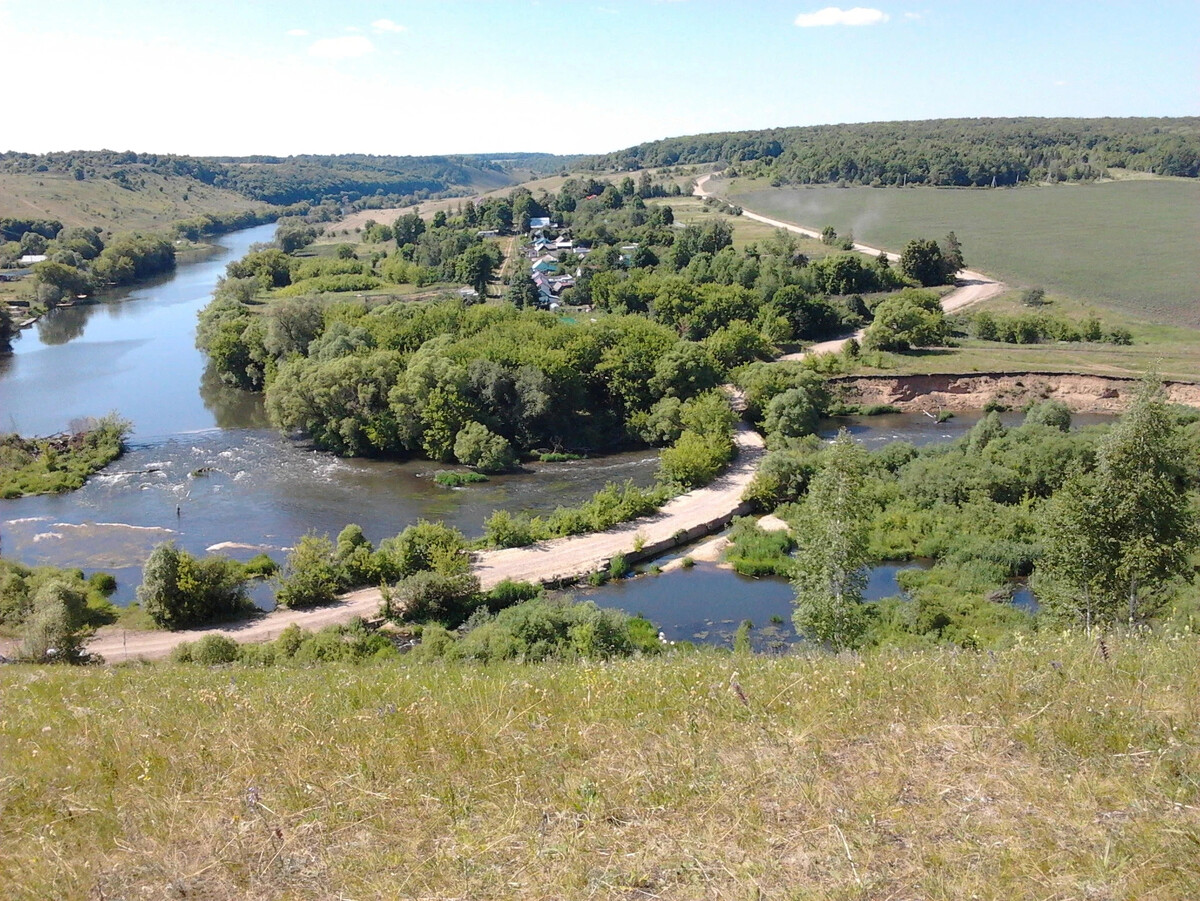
x=239, y=77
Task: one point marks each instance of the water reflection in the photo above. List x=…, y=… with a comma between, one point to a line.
x=707, y=603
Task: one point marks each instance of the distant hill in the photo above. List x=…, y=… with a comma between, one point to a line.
x=959, y=152
x=145, y=189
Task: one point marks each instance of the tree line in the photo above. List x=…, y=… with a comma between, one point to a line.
x=943, y=152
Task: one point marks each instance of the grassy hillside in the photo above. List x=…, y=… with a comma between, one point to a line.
x=1128, y=245
x=152, y=202
x=1044, y=771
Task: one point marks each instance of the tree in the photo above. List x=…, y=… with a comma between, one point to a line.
x=1053, y=413
x=952, y=257
x=923, y=261
x=830, y=574
x=474, y=267
x=522, y=291
x=179, y=590
x=311, y=574
x=1118, y=536
x=6, y=329
x=910, y=319
x=53, y=631
x=478, y=447
x=791, y=414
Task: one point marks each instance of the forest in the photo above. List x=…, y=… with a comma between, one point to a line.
x=943, y=152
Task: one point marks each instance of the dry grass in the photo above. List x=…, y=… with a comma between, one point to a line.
x=1040, y=772
x=103, y=202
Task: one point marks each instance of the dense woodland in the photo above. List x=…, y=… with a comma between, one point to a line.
x=957, y=152
x=683, y=309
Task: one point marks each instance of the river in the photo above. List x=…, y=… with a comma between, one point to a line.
x=203, y=468
x=206, y=471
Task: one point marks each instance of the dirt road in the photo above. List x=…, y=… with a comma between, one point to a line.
x=972, y=286
x=551, y=561
x=579, y=555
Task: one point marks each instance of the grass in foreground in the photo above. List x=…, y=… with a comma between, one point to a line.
x=1045, y=771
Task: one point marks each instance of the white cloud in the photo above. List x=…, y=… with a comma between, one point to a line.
x=297, y=33
x=832, y=15
x=912, y=15
x=385, y=26
x=350, y=47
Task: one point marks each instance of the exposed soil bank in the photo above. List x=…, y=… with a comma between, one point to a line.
x=960, y=392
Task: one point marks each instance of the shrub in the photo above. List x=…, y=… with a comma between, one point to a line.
x=179, y=590
x=311, y=575
x=427, y=595
x=448, y=479
x=213, y=650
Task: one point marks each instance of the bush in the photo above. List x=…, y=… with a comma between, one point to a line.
x=544, y=629
x=426, y=595
x=694, y=459
x=424, y=546
x=179, y=590
x=213, y=650
x=311, y=575
x=756, y=552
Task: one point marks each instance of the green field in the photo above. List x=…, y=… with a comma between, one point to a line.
x=1128, y=245
x=1170, y=350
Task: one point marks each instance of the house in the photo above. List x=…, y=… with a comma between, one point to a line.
x=545, y=263
x=488, y=233
x=564, y=243
x=539, y=222
x=30, y=258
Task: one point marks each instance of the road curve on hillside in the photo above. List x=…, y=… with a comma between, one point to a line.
x=696, y=512
x=972, y=286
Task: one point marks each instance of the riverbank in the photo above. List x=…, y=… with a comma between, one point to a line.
x=557, y=562
x=960, y=392
x=59, y=463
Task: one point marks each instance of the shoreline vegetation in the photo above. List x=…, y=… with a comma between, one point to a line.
x=62, y=462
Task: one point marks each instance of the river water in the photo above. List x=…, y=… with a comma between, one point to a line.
x=203, y=467
x=205, y=470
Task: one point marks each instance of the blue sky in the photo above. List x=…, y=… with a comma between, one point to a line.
x=573, y=76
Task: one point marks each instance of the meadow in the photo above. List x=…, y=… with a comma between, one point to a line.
x=1128, y=245
x=1173, y=351
x=1058, y=768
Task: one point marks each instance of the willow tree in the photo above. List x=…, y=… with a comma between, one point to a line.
x=831, y=561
